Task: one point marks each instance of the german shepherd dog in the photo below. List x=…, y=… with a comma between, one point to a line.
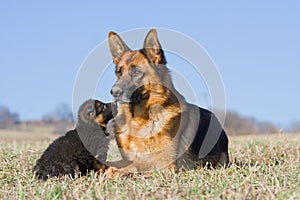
x=155, y=127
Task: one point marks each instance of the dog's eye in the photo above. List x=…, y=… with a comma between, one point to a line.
x=119, y=71
x=135, y=70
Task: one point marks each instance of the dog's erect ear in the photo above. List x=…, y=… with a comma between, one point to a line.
x=153, y=49
x=117, y=46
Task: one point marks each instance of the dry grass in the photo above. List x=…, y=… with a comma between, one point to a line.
x=263, y=167
x=21, y=135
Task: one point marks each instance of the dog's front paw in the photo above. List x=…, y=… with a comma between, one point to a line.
x=112, y=172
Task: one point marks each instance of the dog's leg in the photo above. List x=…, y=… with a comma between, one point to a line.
x=113, y=172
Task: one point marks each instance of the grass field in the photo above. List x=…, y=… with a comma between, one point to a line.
x=263, y=167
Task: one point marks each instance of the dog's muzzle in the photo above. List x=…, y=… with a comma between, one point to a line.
x=126, y=96
x=116, y=92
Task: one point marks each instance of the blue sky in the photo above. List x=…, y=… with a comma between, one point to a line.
x=255, y=45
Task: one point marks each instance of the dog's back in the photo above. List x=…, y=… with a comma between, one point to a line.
x=200, y=140
x=216, y=139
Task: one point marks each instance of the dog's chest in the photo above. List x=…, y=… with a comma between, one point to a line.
x=147, y=130
x=150, y=127
x=146, y=139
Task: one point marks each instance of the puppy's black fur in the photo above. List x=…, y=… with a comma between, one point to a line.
x=68, y=154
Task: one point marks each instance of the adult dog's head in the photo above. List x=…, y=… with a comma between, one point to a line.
x=142, y=77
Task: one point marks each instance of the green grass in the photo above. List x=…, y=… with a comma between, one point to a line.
x=263, y=167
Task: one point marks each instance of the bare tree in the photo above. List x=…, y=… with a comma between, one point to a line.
x=7, y=118
x=62, y=112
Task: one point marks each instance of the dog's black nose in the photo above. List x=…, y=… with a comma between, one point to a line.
x=116, y=91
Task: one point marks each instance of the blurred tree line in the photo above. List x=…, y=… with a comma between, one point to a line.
x=61, y=119
x=8, y=118
x=294, y=127
x=62, y=112
x=235, y=124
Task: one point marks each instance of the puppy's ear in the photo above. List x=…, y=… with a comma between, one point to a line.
x=152, y=48
x=117, y=46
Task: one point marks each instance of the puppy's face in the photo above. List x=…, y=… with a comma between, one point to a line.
x=103, y=113
x=94, y=111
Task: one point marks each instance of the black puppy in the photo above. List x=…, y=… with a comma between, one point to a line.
x=78, y=150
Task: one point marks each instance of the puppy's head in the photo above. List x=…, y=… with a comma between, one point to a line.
x=95, y=112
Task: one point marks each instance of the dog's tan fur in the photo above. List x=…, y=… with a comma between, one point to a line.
x=158, y=129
